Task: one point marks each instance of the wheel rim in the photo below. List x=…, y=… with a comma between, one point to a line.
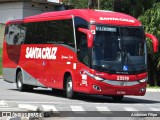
x=69, y=87
x=19, y=82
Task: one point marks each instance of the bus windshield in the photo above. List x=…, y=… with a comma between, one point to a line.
x=119, y=50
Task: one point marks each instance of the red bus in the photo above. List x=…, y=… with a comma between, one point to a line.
x=78, y=51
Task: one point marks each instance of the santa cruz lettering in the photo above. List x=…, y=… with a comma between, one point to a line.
x=41, y=53
x=117, y=19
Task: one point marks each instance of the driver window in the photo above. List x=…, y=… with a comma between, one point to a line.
x=84, y=57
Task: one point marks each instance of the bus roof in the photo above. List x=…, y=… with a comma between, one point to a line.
x=92, y=16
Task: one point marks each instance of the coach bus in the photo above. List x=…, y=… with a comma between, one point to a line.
x=79, y=51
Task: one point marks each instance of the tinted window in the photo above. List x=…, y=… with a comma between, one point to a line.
x=133, y=41
x=81, y=40
x=84, y=51
x=79, y=23
x=67, y=36
x=53, y=32
x=29, y=39
x=40, y=32
x=15, y=34
x=119, y=49
x=46, y=32
x=61, y=32
x=106, y=43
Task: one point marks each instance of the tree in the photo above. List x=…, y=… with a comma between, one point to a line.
x=135, y=7
x=77, y=3
x=152, y=25
x=103, y=4
x=107, y=5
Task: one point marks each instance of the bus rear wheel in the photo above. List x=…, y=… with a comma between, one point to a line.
x=70, y=94
x=20, y=85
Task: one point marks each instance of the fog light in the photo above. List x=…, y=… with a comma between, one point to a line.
x=96, y=88
x=142, y=90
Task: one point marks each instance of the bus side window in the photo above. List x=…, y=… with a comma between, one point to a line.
x=84, y=50
x=22, y=34
x=79, y=23
x=40, y=32
x=67, y=33
x=12, y=33
x=30, y=30
x=53, y=32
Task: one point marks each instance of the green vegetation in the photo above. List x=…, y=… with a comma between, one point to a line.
x=152, y=25
x=0, y=61
x=1, y=39
x=154, y=87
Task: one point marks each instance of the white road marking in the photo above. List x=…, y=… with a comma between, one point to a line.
x=11, y=109
x=5, y=106
x=37, y=102
x=28, y=107
x=102, y=109
x=130, y=109
x=77, y=108
x=155, y=109
x=49, y=108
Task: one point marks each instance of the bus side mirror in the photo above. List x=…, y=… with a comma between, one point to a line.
x=154, y=41
x=89, y=36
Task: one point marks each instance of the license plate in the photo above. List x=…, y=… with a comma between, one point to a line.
x=121, y=92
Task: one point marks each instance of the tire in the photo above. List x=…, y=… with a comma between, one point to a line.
x=117, y=98
x=70, y=94
x=20, y=85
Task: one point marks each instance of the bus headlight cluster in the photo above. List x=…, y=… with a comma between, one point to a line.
x=93, y=76
x=143, y=80
x=98, y=78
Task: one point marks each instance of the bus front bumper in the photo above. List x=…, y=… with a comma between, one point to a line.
x=117, y=88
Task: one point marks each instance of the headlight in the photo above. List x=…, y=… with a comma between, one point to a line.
x=143, y=80
x=93, y=76
x=98, y=78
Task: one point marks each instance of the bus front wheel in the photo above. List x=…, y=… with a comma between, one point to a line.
x=69, y=88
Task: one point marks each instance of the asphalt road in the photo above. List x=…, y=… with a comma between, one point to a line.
x=92, y=107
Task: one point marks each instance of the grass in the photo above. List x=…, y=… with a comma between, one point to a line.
x=0, y=61
x=154, y=87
